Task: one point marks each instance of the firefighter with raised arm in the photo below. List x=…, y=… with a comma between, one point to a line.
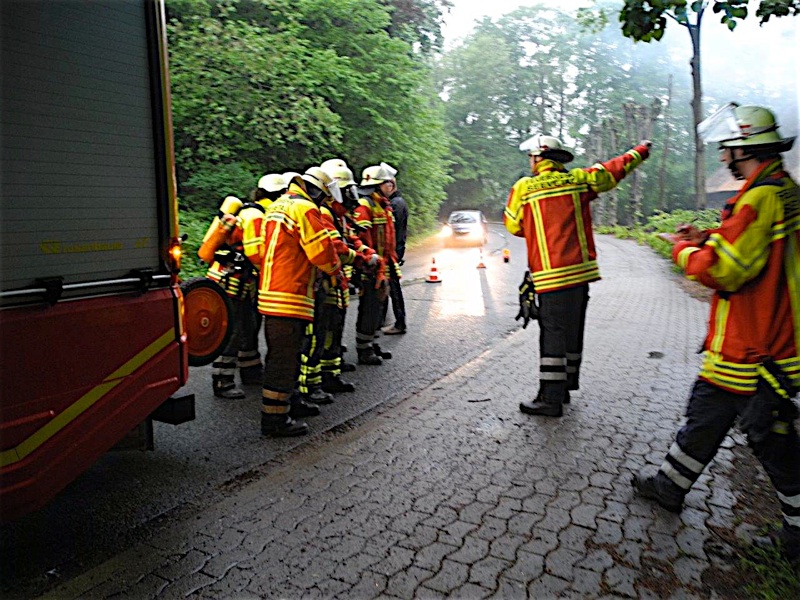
x=551, y=210
x=291, y=249
x=751, y=366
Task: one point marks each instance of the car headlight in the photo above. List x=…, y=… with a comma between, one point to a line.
x=446, y=231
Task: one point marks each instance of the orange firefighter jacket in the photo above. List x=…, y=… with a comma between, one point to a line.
x=374, y=215
x=237, y=282
x=292, y=246
x=551, y=210
x=752, y=261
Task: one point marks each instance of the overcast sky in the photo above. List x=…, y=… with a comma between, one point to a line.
x=768, y=53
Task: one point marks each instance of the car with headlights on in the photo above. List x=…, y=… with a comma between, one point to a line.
x=467, y=227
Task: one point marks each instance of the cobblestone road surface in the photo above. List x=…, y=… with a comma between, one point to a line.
x=454, y=492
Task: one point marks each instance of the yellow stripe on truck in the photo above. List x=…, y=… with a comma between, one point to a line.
x=72, y=412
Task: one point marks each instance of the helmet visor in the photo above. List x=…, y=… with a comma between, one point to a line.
x=334, y=191
x=720, y=126
x=387, y=171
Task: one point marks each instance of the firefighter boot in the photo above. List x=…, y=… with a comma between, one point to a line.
x=334, y=384
x=224, y=387
x=381, y=353
x=318, y=396
x=541, y=406
x=347, y=367
x=660, y=489
x=301, y=407
x=367, y=356
x=252, y=375
x=282, y=426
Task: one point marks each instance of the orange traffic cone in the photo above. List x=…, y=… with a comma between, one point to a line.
x=506, y=255
x=433, y=275
x=480, y=264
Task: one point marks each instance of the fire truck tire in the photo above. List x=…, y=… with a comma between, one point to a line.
x=208, y=316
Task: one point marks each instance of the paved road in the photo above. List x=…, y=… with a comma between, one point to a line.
x=453, y=492
x=117, y=502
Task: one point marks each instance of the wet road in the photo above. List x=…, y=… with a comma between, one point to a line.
x=128, y=495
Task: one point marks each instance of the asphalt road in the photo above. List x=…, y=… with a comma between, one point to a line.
x=129, y=495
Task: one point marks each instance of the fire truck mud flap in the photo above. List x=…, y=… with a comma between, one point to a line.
x=208, y=320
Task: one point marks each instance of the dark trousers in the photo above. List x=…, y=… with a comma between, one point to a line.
x=368, y=315
x=284, y=337
x=710, y=414
x=562, y=318
x=398, y=302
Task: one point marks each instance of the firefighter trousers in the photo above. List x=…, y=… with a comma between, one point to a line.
x=284, y=337
x=242, y=348
x=368, y=314
x=562, y=318
x=710, y=414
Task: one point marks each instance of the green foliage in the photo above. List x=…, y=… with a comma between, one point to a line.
x=646, y=20
x=770, y=576
x=262, y=86
x=419, y=22
x=194, y=225
x=211, y=182
x=662, y=222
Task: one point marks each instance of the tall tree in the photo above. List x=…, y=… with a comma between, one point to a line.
x=276, y=85
x=646, y=20
x=419, y=22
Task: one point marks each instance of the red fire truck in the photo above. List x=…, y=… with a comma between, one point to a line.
x=93, y=334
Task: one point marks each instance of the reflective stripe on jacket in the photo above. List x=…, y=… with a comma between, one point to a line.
x=374, y=216
x=752, y=261
x=295, y=244
x=551, y=210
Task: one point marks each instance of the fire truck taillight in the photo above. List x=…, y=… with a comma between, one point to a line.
x=175, y=253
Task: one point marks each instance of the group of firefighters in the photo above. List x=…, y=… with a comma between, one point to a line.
x=290, y=256
x=305, y=240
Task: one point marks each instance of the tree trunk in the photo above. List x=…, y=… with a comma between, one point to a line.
x=697, y=113
x=613, y=195
x=662, y=175
x=599, y=206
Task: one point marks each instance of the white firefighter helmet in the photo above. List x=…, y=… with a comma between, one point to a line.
x=320, y=178
x=377, y=174
x=274, y=182
x=341, y=173
x=734, y=126
x=547, y=146
x=332, y=164
x=293, y=177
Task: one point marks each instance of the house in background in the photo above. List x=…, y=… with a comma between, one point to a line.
x=721, y=186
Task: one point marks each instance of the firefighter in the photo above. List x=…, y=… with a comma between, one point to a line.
x=328, y=299
x=354, y=254
x=373, y=217
x=235, y=274
x=551, y=210
x=292, y=247
x=270, y=187
x=751, y=366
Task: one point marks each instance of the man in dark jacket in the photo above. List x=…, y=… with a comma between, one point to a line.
x=400, y=212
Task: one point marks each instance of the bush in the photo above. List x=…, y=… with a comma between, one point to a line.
x=194, y=225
